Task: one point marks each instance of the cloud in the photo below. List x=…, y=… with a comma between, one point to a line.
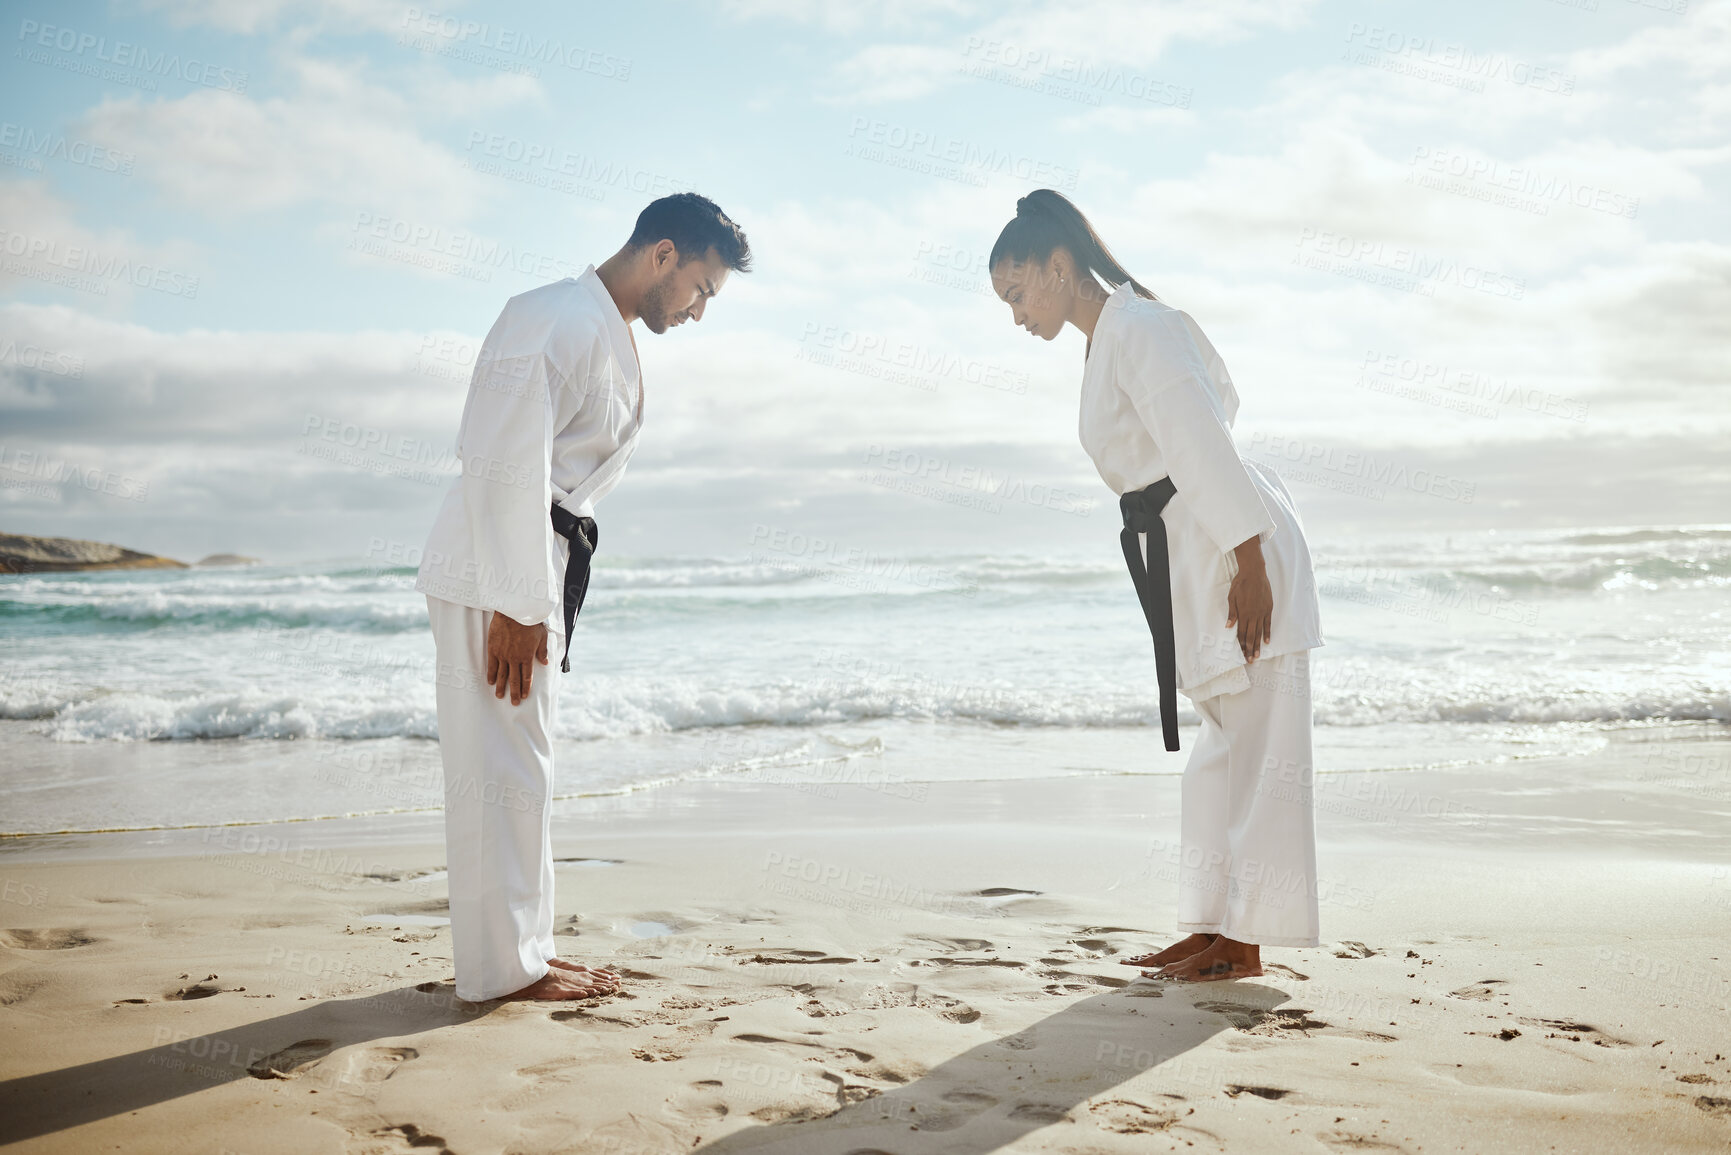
x=338, y=140
x=1093, y=46
x=46, y=246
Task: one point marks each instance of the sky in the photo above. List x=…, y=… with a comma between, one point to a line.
x=1469, y=264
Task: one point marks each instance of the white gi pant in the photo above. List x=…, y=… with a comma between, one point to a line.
x=1249, y=836
x=498, y=761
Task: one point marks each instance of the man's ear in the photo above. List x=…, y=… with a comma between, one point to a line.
x=665, y=253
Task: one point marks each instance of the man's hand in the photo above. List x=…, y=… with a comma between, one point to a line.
x=1250, y=601
x=512, y=650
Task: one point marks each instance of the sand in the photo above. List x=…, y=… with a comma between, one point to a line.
x=1533, y=956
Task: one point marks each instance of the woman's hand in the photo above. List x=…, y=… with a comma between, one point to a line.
x=1250, y=601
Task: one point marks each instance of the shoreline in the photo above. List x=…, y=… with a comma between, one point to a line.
x=391, y=783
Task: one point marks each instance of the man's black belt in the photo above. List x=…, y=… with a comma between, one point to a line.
x=581, y=533
x=1141, y=511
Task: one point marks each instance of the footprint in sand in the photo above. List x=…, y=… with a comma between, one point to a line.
x=397, y=1140
x=291, y=1060
x=967, y=945
x=1350, y=949
x=53, y=939
x=1233, y=1090
x=199, y=990
x=798, y=958
x=700, y=1103
x=358, y=1071
x=1576, y=1032
x=1274, y=969
x=673, y=1049
x=1128, y=1117
x=1041, y=1113
x=1715, y=1106
x=1257, y=1021
x=541, y=1080
x=16, y=988
x=886, y=996
x=1483, y=989
x=953, y=1109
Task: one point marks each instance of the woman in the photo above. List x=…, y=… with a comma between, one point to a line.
x=1236, y=618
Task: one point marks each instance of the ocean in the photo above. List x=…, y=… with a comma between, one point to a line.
x=150, y=699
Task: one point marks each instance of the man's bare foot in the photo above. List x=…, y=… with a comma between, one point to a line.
x=1224, y=958
x=599, y=974
x=1179, y=950
x=559, y=983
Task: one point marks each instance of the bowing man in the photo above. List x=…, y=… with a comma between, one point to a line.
x=553, y=414
x=1220, y=564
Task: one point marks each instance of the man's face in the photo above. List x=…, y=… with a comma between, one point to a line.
x=680, y=291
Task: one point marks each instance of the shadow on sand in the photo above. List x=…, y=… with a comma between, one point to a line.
x=991, y=1096
x=180, y=1064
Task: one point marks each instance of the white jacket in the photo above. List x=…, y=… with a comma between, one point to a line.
x=554, y=410
x=1156, y=402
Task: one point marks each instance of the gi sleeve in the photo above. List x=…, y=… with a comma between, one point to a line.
x=506, y=451
x=1165, y=375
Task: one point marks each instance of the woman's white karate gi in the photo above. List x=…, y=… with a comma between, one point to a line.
x=1157, y=402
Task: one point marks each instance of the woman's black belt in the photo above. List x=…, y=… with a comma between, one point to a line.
x=1141, y=511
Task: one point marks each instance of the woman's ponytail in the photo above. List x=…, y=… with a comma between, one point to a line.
x=1046, y=220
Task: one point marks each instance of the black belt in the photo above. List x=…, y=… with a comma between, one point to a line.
x=1141, y=511
x=581, y=533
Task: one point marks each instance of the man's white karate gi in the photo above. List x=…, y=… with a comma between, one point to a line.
x=554, y=409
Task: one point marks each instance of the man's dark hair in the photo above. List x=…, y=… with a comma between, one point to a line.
x=695, y=224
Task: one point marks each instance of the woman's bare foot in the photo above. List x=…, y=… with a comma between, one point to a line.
x=1224, y=958
x=561, y=983
x=1179, y=950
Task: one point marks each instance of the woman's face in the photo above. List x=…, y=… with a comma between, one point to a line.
x=1039, y=295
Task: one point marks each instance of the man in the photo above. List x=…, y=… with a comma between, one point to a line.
x=553, y=414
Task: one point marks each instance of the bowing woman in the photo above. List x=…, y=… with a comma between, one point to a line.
x=1220, y=564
